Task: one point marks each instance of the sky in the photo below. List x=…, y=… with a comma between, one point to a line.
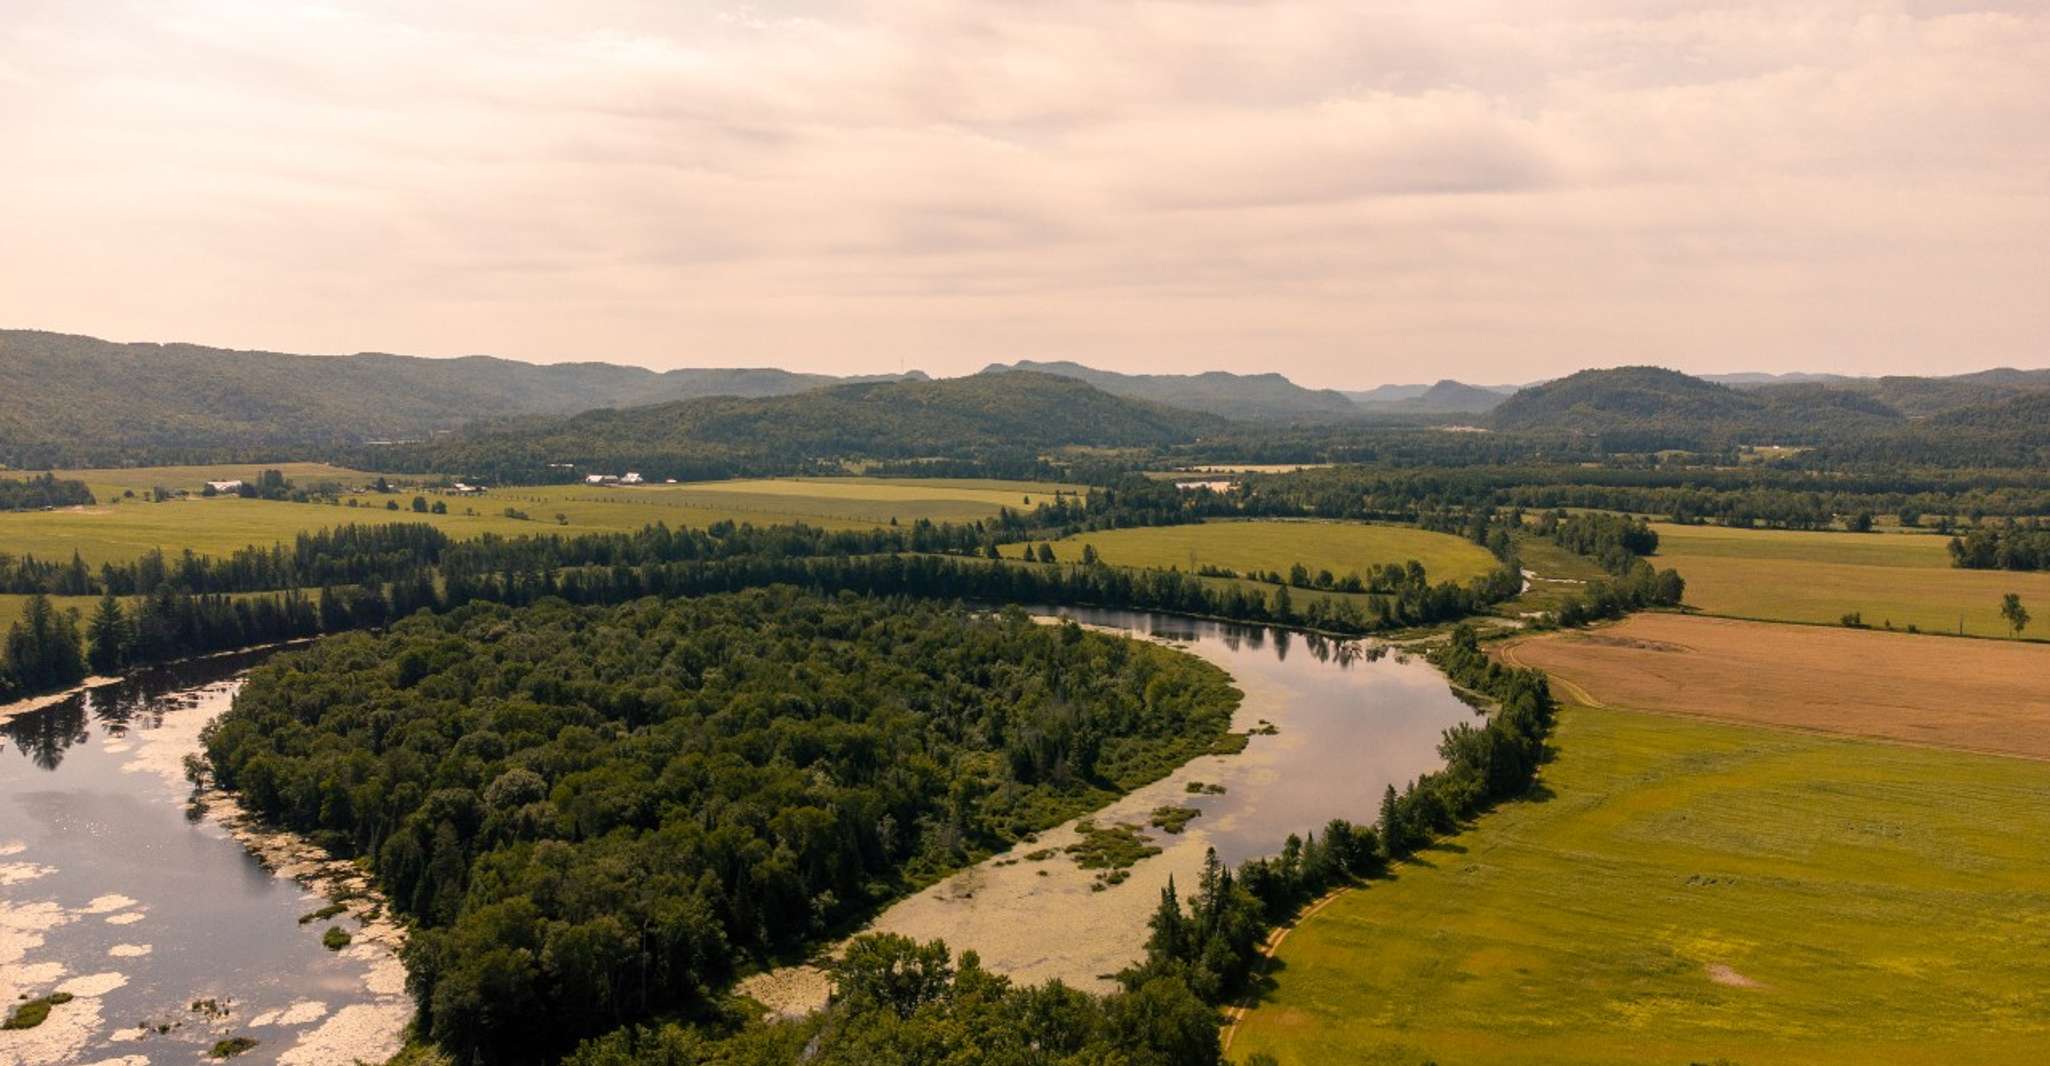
x=1351, y=193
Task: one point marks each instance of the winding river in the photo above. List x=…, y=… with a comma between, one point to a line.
x=155, y=916
x=171, y=934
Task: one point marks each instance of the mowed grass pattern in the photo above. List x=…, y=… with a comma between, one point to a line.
x=123, y=530
x=1257, y=544
x=1902, y=578
x=1695, y=892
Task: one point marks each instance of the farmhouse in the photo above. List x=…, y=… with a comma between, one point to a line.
x=601, y=479
x=462, y=489
x=225, y=488
x=631, y=478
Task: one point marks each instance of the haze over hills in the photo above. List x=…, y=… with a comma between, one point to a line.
x=1445, y=397
x=67, y=399
x=1009, y=412
x=1244, y=397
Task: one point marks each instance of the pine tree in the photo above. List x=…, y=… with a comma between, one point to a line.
x=1392, y=835
x=107, y=635
x=1170, y=937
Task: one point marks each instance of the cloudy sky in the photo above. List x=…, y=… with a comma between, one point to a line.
x=1349, y=192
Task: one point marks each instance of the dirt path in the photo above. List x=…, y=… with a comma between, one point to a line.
x=1237, y=1011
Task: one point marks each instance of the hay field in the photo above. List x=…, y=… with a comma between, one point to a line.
x=1902, y=578
x=120, y=529
x=1277, y=544
x=1975, y=695
x=1697, y=892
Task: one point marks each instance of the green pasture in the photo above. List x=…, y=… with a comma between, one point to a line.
x=119, y=529
x=1902, y=578
x=1278, y=544
x=1695, y=893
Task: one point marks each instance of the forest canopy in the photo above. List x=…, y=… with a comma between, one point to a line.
x=596, y=814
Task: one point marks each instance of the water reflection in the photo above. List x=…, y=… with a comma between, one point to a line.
x=138, y=701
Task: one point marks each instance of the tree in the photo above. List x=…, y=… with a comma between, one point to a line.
x=1045, y=552
x=1089, y=557
x=1394, y=836
x=2016, y=615
x=107, y=635
x=419, y=505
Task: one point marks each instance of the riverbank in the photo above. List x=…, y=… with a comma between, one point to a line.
x=1333, y=724
x=172, y=918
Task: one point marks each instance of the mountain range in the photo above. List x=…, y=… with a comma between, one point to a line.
x=1240, y=397
x=69, y=400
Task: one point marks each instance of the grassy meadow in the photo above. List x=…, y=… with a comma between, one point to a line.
x=1691, y=892
x=1341, y=547
x=120, y=529
x=1790, y=576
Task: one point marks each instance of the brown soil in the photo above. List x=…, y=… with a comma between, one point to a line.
x=1974, y=695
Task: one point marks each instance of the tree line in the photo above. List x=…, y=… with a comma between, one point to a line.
x=2016, y=546
x=44, y=490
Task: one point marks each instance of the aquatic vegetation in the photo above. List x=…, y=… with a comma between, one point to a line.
x=31, y=1014
x=1173, y=819
x=231, y=1047
x=335, y=939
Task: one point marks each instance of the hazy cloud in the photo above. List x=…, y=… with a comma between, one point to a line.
x=1350, y=192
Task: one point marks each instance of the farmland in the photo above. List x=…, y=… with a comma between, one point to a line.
x=1873, y=684
x=1340, y=547
x=1900, y=578
x=120, y=529
x=1688, y=891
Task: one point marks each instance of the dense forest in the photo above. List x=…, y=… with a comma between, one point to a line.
x=596, y=814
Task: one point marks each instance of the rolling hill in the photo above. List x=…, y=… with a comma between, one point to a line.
x=1015, y=413
x=1646, y=408
x=73, y=400
x=1242, y=397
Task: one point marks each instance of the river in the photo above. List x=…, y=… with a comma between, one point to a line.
x=159, y=921
x=1349, y=720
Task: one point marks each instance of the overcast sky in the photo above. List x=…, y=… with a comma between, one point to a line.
x=1348, y=192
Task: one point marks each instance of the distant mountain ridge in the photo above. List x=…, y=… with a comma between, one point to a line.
x=1444, y=397
x=74, y=400
x=1242, y=397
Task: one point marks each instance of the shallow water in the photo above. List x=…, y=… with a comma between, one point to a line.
x=1351, y=719
x=110, y=890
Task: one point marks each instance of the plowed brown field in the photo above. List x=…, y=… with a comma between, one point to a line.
x=1974, y=695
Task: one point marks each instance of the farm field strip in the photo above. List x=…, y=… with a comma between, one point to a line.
x=1973, y=695
x=1899, y=578
x=1278, y=544
x=119, y=531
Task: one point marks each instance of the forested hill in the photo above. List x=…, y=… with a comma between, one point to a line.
x=1643, y=407
x=68, y=400
x=1013, y=413
x=1245, y=397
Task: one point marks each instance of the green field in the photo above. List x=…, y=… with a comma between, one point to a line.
x=120, y=529
x=1341, y=547
x=1697, y=893
x=1902, y=578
